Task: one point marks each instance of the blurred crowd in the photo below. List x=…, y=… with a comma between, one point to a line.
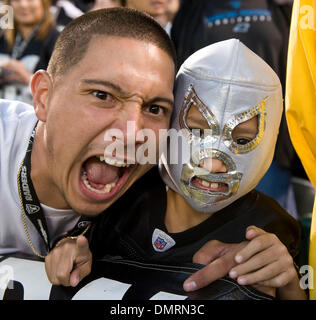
x=28, y=46
x=262, y=25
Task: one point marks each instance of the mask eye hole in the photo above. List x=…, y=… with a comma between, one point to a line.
x=197, y=117
x=242, y=141
x=196, y=122
x=246, y=131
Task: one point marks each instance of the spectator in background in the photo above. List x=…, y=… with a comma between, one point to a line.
x=65, y=11
x=172, y=9
x=156, y=8
x=100, y=4
x=26, y=48
x=163, y=11
x=263, y=26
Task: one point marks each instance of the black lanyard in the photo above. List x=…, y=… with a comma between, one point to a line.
x=31, y=204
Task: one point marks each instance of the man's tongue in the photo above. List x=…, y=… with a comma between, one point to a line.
x=99, y=173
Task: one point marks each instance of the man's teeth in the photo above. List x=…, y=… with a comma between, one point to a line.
x=113, y=162
x=107, y=188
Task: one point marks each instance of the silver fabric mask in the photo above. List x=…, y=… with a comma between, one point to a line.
x=229, y=85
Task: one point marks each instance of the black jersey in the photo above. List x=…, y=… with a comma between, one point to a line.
x=129, y=227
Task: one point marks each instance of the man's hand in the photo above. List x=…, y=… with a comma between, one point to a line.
x=219, y=259
x=69, y=262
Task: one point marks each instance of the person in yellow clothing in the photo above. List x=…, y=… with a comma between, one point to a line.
x=300, y=99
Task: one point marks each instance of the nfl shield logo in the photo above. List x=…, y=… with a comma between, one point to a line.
x=160, y=243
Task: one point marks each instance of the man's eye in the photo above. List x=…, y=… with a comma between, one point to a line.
x=155, y=109
x=242, y=141
x=101, y=95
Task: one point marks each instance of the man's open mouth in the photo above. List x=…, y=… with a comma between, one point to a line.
x=212, y=186
x=101, y=178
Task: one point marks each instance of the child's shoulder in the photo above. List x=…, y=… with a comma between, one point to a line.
x=269, y=215
x=268, y=205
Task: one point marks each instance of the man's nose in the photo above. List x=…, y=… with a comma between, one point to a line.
x=213, y=165
x=132, y=123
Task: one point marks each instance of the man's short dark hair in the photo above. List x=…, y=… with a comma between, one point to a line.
x=74, y=40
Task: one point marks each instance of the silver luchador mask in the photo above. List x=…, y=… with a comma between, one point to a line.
x=227, y=84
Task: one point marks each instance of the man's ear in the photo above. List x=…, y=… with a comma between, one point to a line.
x=41, y=86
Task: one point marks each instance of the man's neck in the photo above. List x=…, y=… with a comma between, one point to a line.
x=46, y=190
x=180, y=216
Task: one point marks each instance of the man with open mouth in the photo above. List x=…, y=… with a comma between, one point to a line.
x=109, y=67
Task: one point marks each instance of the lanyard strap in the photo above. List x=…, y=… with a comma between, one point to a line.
x=20, y=44
x=31, y=204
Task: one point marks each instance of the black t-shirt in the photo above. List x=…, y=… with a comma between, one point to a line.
x=127, y=228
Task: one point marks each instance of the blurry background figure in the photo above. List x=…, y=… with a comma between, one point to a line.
x=156, y=8
x=64, y=11
x=163, y=11
x=172, y=8
x=26, y=48
x=100, y=4
x=263, y=26
x=171, y=11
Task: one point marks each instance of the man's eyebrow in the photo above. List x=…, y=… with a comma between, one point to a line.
x=107, y=84
x=123, y=93
x=161, y=99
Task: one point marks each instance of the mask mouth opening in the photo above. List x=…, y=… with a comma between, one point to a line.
x=212, y=184
x=209, y=185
